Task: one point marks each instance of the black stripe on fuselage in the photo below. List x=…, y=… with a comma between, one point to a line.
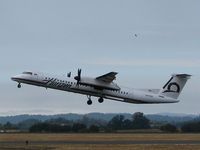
x=54, y=83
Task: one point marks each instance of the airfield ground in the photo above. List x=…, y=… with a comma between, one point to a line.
x=134, y=141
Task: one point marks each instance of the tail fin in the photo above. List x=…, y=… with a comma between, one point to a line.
x=175, y=85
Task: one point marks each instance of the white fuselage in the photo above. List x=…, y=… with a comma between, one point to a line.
x=69, y=84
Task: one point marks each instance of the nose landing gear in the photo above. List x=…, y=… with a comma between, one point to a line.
x=19, y=85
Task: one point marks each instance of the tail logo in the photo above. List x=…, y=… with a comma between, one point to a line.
x=173, y=87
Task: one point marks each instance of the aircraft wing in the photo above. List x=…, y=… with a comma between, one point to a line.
x=108, y=78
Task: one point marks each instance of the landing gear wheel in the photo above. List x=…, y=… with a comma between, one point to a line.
x=101, y=100
x=89, y=102
x=19, y=85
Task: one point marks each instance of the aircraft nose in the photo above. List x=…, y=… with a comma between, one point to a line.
x=15, y=78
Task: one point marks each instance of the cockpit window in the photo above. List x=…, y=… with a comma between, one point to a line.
x=29, y=73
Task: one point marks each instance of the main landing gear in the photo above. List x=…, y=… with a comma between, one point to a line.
x=19, y=85
x=89, y=102
x=100, y=100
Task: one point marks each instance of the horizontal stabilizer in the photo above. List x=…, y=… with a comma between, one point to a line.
x=182, y=75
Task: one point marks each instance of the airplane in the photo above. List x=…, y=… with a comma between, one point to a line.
x=103, y=87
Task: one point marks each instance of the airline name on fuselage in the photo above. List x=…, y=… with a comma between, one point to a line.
x=53, y=82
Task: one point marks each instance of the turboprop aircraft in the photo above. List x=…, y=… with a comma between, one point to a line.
x=104, y=87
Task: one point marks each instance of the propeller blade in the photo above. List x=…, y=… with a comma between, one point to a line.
x=78, y=77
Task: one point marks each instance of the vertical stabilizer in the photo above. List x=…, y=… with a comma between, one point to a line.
x=175, y=85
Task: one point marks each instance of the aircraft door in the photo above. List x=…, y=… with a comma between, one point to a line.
x=35, y=76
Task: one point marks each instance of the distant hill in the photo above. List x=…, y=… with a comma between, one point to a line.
x=163, y=117
x=171, y=118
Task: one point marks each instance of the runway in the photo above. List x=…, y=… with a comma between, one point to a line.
x=147, y=142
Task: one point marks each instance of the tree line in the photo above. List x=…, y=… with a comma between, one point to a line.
x=59, y=128
x=118, y=122
x=88, y=125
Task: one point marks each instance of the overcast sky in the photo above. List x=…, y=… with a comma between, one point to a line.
x=98, y=36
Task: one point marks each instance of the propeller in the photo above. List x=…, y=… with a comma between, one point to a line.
x=78, y=77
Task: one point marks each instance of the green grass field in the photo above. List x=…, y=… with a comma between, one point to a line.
x=96, y=137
